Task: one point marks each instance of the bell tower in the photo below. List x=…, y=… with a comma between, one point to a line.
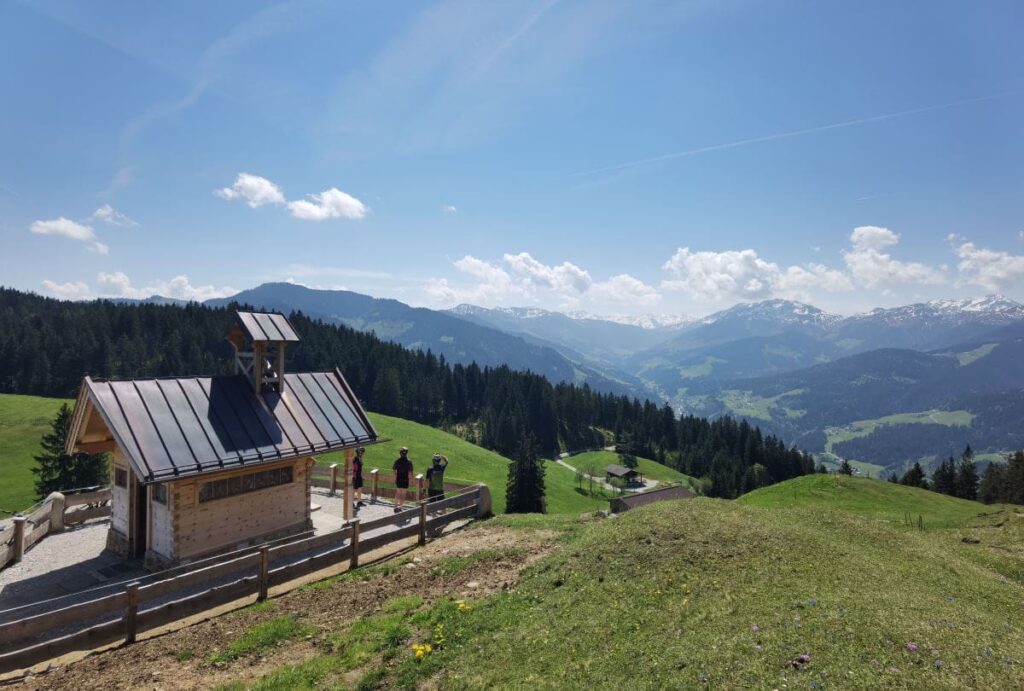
x=259, y=340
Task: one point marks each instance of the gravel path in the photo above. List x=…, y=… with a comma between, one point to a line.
x=63, y=563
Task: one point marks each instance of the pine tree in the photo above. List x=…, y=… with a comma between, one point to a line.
x=967, y=478
x=524, y=490
x=625, y=449
x=845, y=468
x=944, y=479
x=993, y=481
x=915, y=477
x=56, y=470
x=822, y=468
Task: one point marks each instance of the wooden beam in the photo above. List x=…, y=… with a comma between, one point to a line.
x=106, y=446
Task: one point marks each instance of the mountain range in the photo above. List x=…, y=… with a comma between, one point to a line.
x=937, y=374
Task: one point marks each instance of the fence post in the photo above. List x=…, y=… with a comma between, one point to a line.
x=131, y=612
x=346, y=483
x=264, y=574
x=423, y=524
x=355, y=545
x=19, y=539
x=374, y=478
x=419, y=487
x=57, y=506
x=334, y=477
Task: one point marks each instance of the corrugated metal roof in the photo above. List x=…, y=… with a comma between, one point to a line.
x=619, y=470
x=186, y=426
x=266, y=326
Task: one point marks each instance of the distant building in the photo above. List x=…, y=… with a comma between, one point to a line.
x=632, y=501
x=621, y=472
x=205, y=464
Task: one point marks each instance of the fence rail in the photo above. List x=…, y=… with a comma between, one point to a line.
x=58, y=510
x=162, y=598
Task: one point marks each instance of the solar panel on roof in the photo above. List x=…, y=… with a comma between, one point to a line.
x=267, y=326
x=193, y=425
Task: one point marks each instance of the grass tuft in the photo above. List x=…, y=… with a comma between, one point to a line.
x=262, y=637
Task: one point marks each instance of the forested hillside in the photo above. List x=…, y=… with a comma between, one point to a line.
x=47, y=345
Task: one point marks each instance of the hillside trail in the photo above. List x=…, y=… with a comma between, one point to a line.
x=182, y=659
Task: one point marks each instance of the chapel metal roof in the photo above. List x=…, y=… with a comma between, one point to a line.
x=267, y=326
x=170, y=428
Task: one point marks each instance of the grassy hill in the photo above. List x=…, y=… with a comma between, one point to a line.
x=23, y=421
x=468, y=462
x=708, y=593
x=650, y=469
x=882, y=501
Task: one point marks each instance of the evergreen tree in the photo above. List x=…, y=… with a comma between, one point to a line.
x=822, y=469
x=944, y=479
x=993, y=481
x=625, y=449
x=56, y=470
x=915, y=477
x=845, y=468
x=524, y=490
x=893, y=479
x=967, y=478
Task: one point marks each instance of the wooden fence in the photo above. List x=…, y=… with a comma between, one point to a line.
x=378, y=484
x=52, y=514
x=162, y=598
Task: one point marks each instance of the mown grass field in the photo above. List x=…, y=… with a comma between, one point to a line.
x=23, y=421
x=799, y=586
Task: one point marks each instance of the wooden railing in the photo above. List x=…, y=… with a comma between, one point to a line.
x=52, y=514
x=157, y=600
x=378, y=484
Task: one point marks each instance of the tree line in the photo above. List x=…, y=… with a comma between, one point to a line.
x=47, y=346
x=1000, y=483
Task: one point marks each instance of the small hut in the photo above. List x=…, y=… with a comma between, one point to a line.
x=621, y=472
x=205, y=464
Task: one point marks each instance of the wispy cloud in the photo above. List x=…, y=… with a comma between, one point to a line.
x=791, y=134
x=109, y=214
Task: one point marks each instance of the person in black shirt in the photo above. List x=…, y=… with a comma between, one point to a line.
x=435, y=478
x=403, y=470
x=357, y=477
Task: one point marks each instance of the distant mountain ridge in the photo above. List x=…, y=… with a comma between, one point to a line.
x=458, y=340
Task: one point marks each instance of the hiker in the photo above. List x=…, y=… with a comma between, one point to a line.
x=435, y=478
x=403, y=469
x=357, y=478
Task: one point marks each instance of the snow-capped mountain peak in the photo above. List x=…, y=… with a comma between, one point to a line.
x=781, y=312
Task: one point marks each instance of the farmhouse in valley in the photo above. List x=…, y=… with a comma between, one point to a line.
x=621, y=472
x=204, y=464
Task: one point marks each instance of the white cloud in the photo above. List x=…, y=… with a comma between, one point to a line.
x=332, y=203
x=99, y=248
x=991, y=269
x=450, y=209
x=109, y=214
x=72, y=290
x=626, y=290
x=64, y=227
x=257, y=191
x=117, y=284
x=870, y=266
x=521, y=279
x=716, y=276
x=561, y=278
x=254, y=190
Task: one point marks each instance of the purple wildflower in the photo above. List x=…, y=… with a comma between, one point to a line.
x=938, y=664
x=911, y=647
x=805, y=658
x=755, y=628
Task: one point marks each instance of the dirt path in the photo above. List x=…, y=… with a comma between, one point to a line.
x=180, y=660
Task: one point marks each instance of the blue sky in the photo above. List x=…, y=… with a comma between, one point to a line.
x=613, y=157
